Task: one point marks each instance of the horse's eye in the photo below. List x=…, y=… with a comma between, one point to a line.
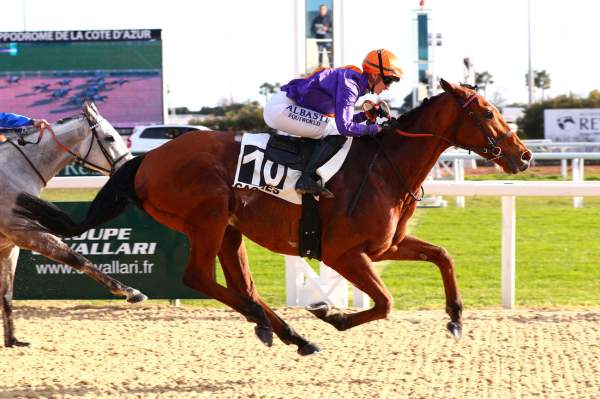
x=488, y=114
x=110, y=139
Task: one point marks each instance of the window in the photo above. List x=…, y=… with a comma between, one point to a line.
x=319, y=34
x=160, y=133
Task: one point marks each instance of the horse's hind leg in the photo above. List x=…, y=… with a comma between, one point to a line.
x=200, y=275
x=234, y=262
x=52, y=247
x=8, y=265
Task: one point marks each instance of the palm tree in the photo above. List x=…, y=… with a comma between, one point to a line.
x=542, y=81
x=268, y=88
x=483, y=80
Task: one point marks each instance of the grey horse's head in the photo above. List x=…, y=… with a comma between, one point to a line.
x=103, y=149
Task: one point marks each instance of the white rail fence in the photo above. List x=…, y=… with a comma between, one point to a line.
x=302, y=283
x=458, y=158
x=305, y=286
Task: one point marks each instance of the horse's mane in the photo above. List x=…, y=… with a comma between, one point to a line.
x=68, y=119
x=411, y=115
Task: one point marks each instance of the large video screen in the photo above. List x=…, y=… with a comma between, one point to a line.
x=49, y=74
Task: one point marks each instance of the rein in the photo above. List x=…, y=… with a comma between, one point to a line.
x=37, y=172
x=381, y=150
x=78, y=159
x=492, y=148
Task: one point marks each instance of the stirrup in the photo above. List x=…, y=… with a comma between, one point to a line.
x=315, y=190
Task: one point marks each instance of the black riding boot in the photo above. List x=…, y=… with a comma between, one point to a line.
x=325, y=149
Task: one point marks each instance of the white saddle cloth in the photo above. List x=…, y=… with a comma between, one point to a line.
x=257, y=173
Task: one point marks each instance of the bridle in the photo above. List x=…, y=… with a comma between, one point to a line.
x=83, y=161
x=492, y=147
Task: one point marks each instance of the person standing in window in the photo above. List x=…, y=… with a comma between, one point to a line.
x=321, y=30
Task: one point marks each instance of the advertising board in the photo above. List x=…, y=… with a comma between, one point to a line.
x=132, y=248
x=572, y=124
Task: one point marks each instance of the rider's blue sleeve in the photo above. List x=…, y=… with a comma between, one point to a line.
x=14, y=120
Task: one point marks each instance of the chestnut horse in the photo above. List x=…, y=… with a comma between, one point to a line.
x=186, y=185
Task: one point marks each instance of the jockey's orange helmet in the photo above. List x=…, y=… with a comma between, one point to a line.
x=384, y=63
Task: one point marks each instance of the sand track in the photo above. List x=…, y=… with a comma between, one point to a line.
x=159, y=351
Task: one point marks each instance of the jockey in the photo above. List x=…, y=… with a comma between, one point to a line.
x=8, y=120
x=322, y=104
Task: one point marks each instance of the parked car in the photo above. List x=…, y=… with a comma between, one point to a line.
x=145, y=138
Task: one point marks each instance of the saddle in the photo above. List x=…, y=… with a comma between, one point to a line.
x=289, y=151
x=272, y=163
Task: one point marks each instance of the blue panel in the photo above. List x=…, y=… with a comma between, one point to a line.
x=422, y=40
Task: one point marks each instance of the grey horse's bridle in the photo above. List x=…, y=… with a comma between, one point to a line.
x=83, y=161
x=78, y=158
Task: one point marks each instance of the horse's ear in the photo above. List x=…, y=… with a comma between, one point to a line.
x=94, y=108
x=90, y=111
x=448, y=87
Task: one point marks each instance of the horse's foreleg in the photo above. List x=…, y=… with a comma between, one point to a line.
x=234, y=262
x=52, y=247
x=411, y=248
x=8, y=265
x=356, y=267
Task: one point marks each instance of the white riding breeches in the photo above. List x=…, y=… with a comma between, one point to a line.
x=282, y=113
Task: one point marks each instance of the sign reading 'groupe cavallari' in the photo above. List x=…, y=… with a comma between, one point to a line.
x=133, y=248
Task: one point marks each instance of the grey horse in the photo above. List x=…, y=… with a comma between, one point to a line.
x=27, y=161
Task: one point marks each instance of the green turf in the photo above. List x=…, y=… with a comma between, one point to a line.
x=68, y=195
x=557, y=255
x=530, y=175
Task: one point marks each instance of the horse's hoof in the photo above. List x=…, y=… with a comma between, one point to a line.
x=319, y=309
x=16, y=342
x=309, y=349
x=136, y=297
x=455, y=329
x=265, y=335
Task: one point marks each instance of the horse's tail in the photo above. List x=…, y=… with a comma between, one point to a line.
x=109, y=203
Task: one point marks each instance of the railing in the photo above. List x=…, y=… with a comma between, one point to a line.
x=298, y=277
x=577, y=160
x=303, y=281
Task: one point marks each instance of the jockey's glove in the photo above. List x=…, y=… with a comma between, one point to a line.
x=373, y=111
x=391, y=123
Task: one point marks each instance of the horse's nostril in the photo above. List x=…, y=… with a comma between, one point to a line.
x=526, y=156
